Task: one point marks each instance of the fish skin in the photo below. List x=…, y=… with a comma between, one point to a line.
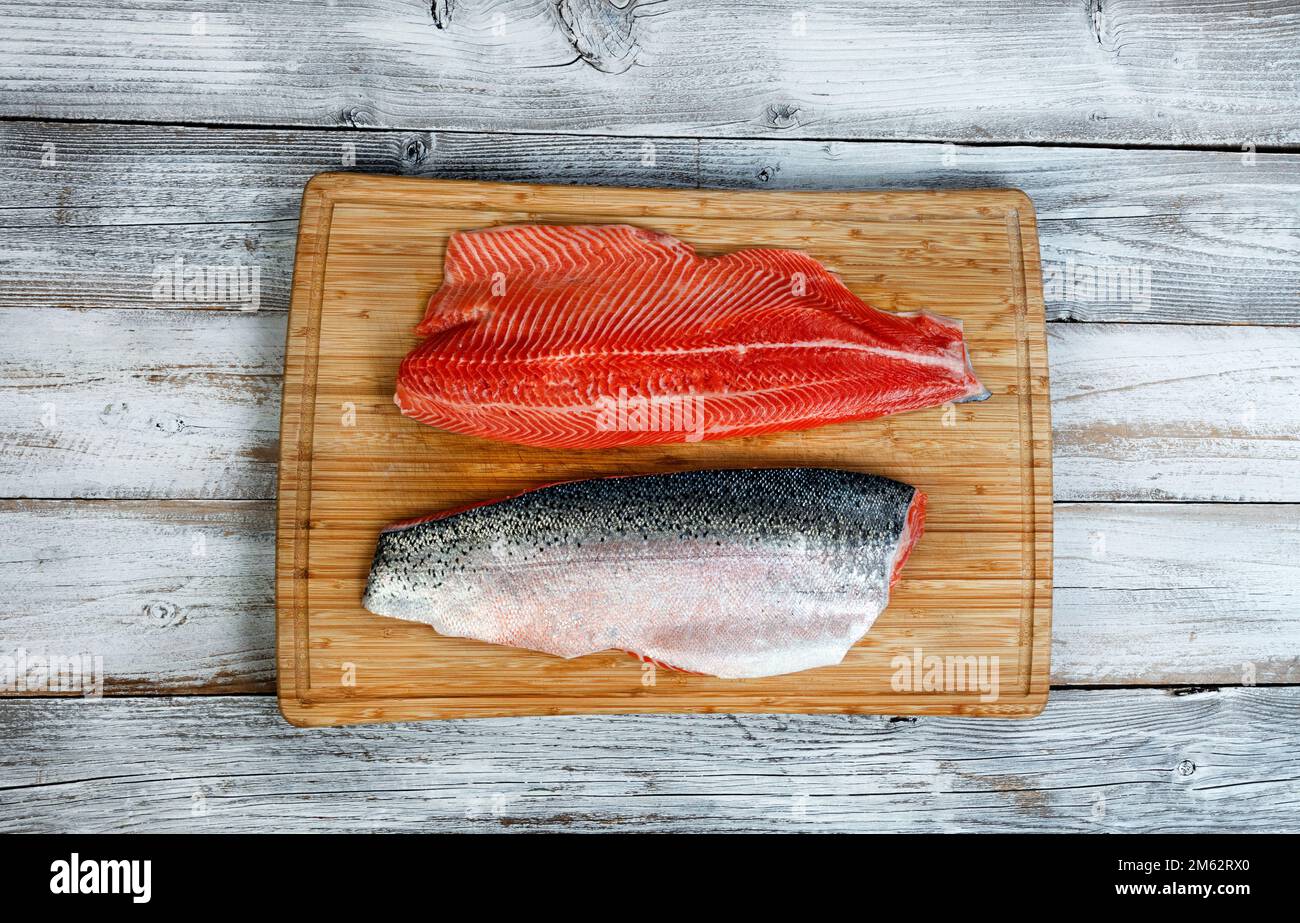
x=586, y=336
x=731, y=573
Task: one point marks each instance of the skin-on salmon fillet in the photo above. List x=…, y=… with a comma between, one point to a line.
x=732, y=573
x=608, y=335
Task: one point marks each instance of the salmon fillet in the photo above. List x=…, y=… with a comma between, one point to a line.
x=587, y=336
x=731, y=573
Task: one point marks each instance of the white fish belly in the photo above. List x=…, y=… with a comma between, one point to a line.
x=724, y=610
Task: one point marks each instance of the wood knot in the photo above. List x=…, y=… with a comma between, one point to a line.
x=163, y=614
x=168, y=426
x=441, y=12
x=1100, y=26
x=600, y=31
x=356, y=117
x=781, y=115
x=415, y=151
x=113, y=413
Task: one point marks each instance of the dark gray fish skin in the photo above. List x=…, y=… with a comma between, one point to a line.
x=736, y=573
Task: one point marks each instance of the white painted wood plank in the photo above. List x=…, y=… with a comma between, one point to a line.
x=1176, y=593
x=1166, y=412
x=1176, y=268
x=1145, y=72
x=151, y=403
x=1064, y=182
x=76, y=173
x=172, y=596
x=1211, y=237
x=255, y=174
x=118, y=264
x=178, y=596
x=1095, y=761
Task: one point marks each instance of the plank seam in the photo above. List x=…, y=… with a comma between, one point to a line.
x=1173, y=689
x=639, y=136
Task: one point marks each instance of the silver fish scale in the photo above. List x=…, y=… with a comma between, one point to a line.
x=733, y=573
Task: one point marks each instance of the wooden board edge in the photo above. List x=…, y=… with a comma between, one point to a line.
x=450, y=709
x=1043, y=497
x=649, y=201
x=319, y=196
x=291, y=530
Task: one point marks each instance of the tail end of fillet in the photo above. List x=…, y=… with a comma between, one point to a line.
x=978, y=391
x=954, y=328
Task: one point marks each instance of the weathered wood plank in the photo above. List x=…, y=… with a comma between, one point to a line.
x=67, y=170
x=1176, y=593
x=1167, y=412
x=171, y=595
x=1066, y=183
x=95, y=267
x=178, y=596
x=1095, y=761
x=1207, y=237
x=185, y=404
x=1177, y=268
x=120, y=403
x=1142, y=72
x=77, y=173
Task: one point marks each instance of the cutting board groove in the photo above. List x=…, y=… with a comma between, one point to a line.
x=968, y=631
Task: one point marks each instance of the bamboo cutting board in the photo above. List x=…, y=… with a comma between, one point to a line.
x=968, y=631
